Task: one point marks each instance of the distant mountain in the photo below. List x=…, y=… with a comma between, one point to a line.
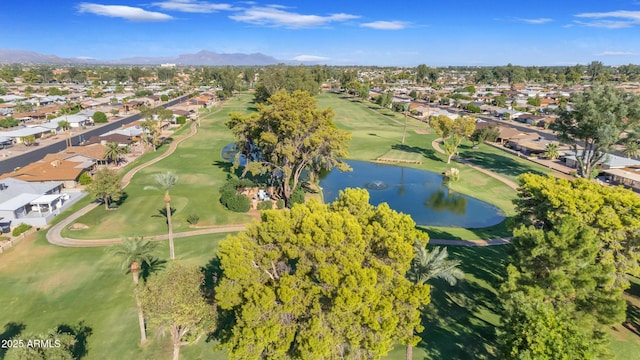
x=31, y=57
x=203, y=57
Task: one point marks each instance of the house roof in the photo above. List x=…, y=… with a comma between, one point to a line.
x=26, y=131
x=12, y=188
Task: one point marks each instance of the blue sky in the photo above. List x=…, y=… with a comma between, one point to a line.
x=347, y=32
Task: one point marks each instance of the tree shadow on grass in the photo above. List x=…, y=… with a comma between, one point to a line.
x=225, y=319
x=460, y=321
x=147, y=268
x=227, y=167
x=11, y=330
x=81, y=332
x=428, y=153
x=498, y=163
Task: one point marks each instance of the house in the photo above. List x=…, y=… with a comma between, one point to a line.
x=16, y=135
x=628, y=177
x=33, y=203
x=63, y=168
x=610, y=161
x=530, y=119
x=81, y=119
x=5, y=142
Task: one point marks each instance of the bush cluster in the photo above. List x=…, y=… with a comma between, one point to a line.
x=297, y=197
x=20, y=229
x=193, y=219
x=265, y=205
x=180, y=120
x=230, y=198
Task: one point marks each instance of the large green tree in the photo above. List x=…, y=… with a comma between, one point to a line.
x=613, y=212
x=595, y=122
x=290, y=135
x=174, y=300
x=321, y=281
x=106, y=185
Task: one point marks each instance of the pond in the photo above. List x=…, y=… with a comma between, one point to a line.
x=419, y=193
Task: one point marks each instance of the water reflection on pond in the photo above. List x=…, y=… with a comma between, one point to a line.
x=418, y=193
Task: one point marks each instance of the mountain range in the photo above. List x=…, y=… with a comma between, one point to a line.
x=204, y=57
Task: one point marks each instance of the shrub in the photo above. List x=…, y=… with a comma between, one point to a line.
x=99, y=117
x=297, y=197
x=280, y=204
x=164, y=97
x=193, y=219
x=265, y=205
x=181, y=120
x=20, y=229
x=230, y=198
x=85, y=179
x=452, y=175
x=238, y=203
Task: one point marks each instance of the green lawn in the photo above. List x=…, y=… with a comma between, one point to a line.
x=201, y=171
x=44, y=286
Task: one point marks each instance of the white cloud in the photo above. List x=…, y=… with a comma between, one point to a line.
x=274, y=16
x=610, y=20
x=615, y=53
x=386, y=25
x=538, y=21
x=192, y=6
x=310, y=58
x=121, y=11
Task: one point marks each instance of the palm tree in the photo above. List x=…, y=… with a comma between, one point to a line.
x=631, y=149
x=551, y=151
x=65, y=126
x=114, y=152
x=166, y=181
x=429, y=265
x=134, y=253
x=151, y=132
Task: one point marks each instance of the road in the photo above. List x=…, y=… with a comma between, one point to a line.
x=38, y=153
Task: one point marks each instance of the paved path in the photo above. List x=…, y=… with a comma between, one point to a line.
x=55, y=237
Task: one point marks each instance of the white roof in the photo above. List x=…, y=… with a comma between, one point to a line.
x=25, y=132
x=46, y=199
x=18, y=201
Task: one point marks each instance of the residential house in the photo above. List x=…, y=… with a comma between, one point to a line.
x=64, y=168
x=38, y=132
x=33, y=203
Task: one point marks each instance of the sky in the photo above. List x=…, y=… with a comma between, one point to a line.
x=333, y=32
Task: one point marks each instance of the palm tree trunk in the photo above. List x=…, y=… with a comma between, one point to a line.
x=409, y=355
x=172, y=254
x=143, y=333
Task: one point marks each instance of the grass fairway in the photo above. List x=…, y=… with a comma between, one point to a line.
x=201, y=171
x=44, y=286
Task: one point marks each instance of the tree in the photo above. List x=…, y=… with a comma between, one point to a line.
x=631, y=148
x=489, y=133
x=321, y=281
x=434, y=264
x=595, y=122
x=287, y=136
x=28, y=140
x=106, y=185
x=385, y=99
x=551, y=151
x=66, y=127
x=167, y=181
x=134, y=253
x=450, y=147
x=99, y=117
x=428, y=265
x=56, y=345
x=533, y=329
x=612, y=213
x=174, y=300
x=114, y=152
